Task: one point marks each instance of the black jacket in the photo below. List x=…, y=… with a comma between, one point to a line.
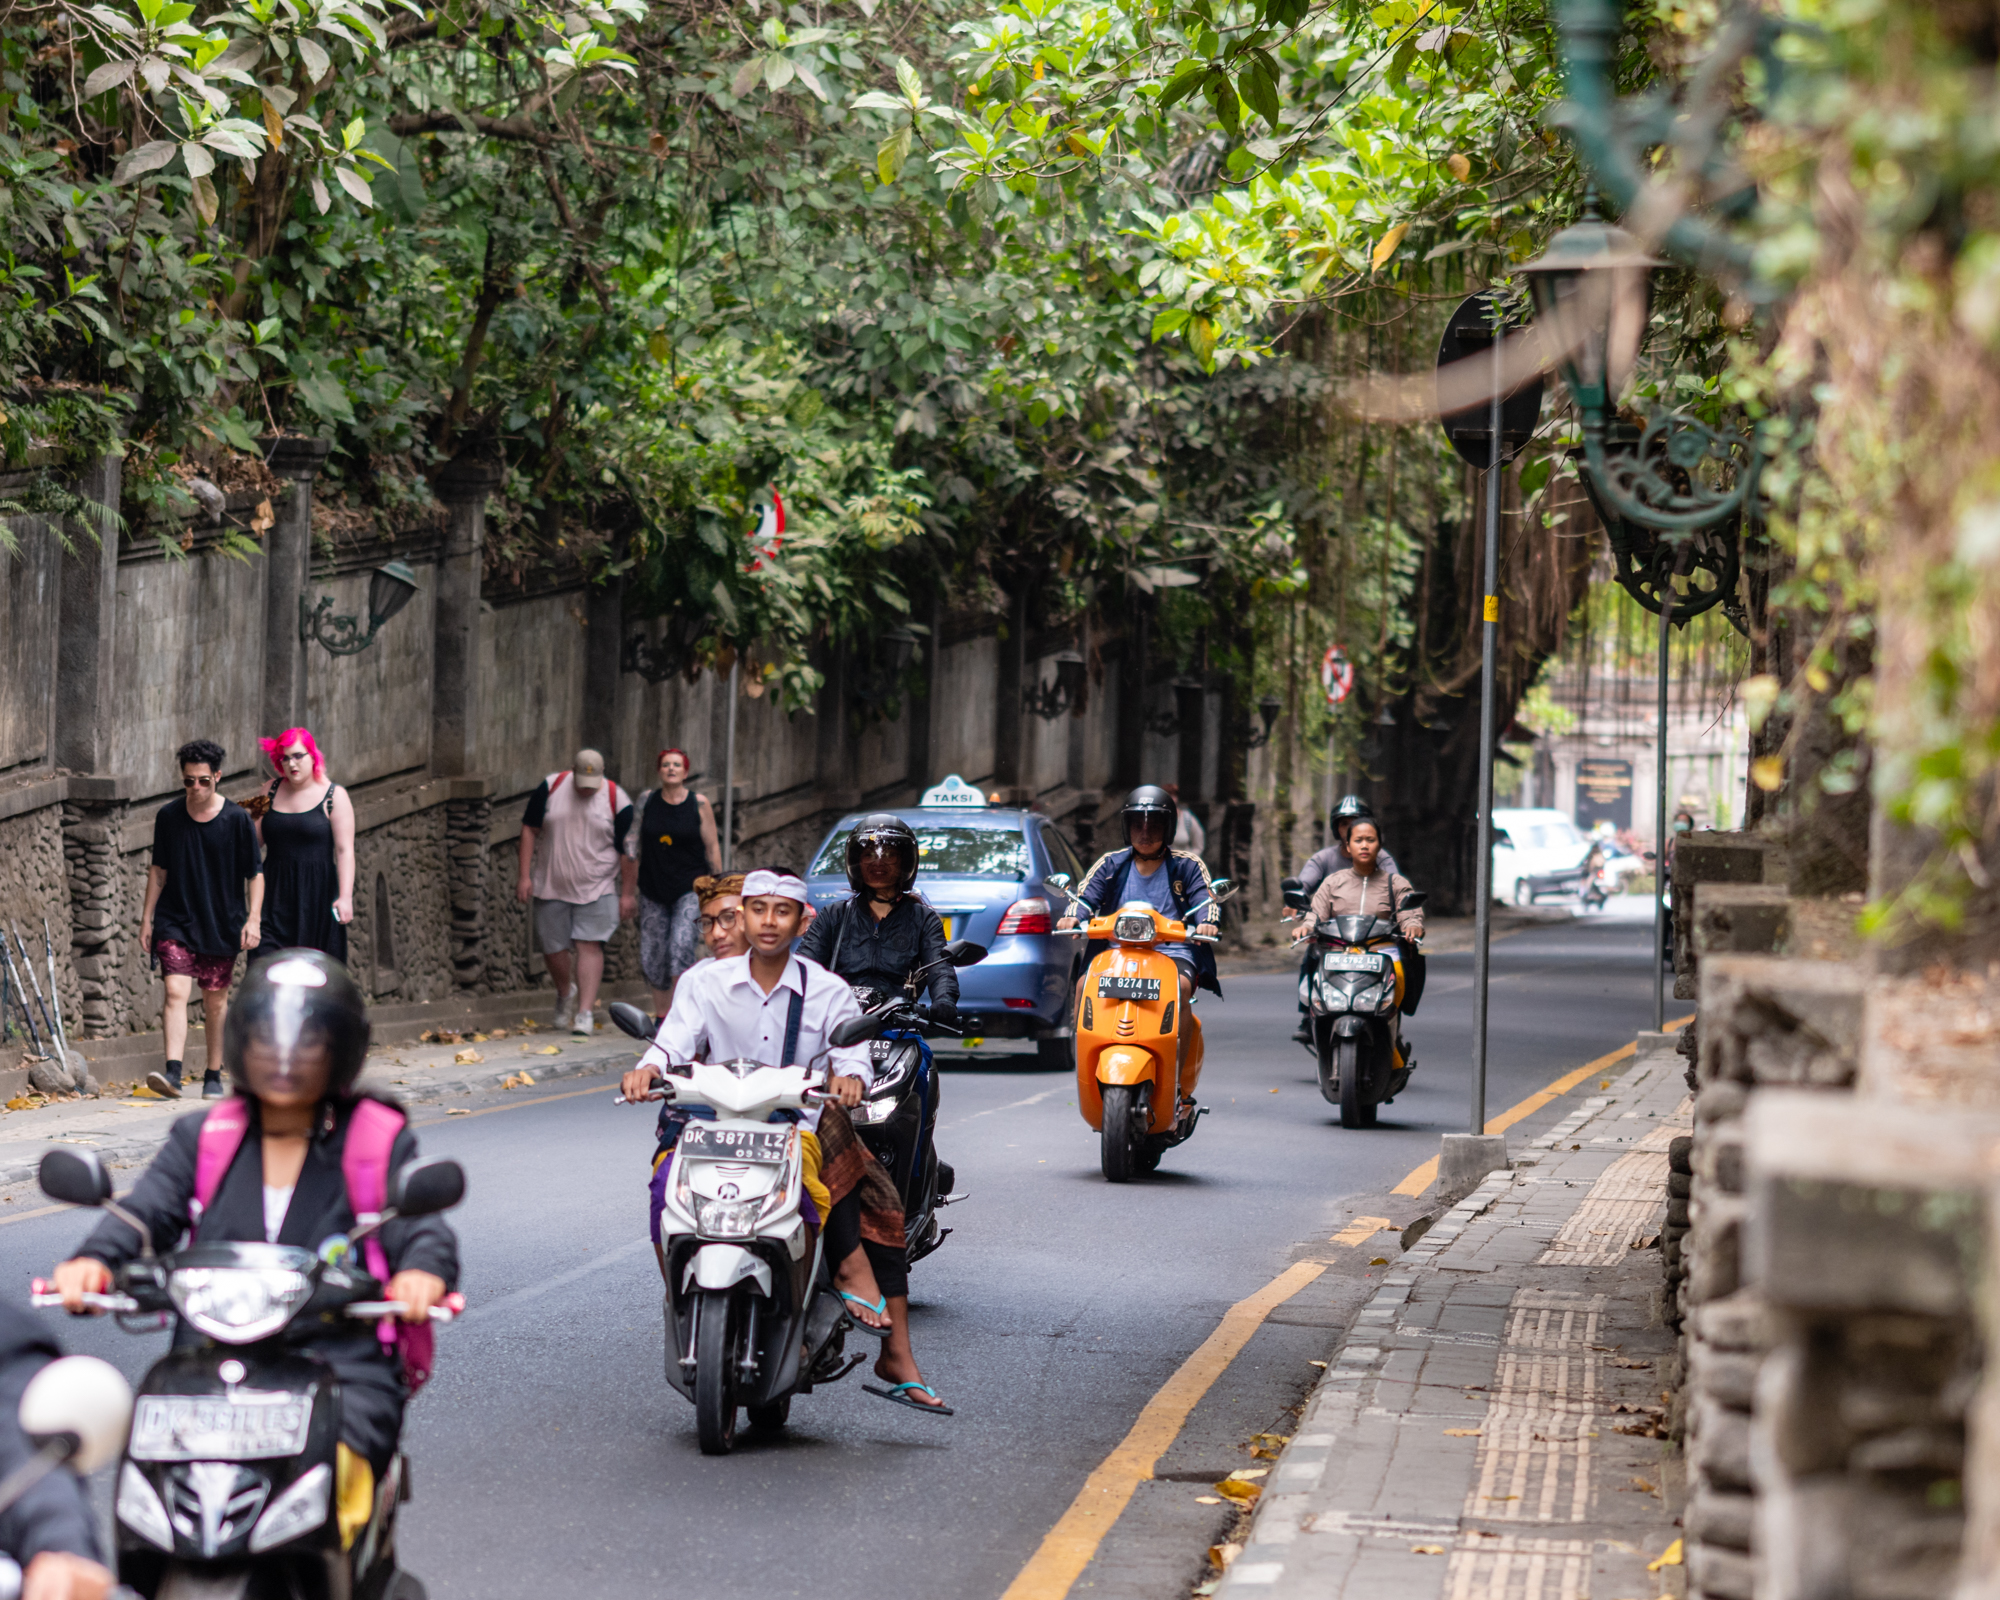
x=55, y=1514
x=319, y=1208
x=847, y=940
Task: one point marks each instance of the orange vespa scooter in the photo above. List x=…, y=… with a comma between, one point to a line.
x=1134, y=1084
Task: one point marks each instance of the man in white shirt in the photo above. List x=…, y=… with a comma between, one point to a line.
x=752, y=1007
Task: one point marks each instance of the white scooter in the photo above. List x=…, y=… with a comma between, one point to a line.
x=751, y=1315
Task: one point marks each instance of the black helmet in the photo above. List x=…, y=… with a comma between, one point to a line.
x=1150, y=800
x=298, y=997
x=885, y=829
x=1352, y=808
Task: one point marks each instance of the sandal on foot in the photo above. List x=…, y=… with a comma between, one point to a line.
x=879, y=1307
x=897, y=1394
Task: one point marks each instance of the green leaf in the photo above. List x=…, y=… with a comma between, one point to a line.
x=325, y=396
x=892, y=153
x=911, y=85
x=1183, y=84
x=1221, y=95
x=1260, y=90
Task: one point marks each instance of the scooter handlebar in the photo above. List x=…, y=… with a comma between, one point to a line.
x=452, y=1308
x=43, y=1295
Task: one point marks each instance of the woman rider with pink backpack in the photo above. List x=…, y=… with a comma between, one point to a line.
x=293, y=1156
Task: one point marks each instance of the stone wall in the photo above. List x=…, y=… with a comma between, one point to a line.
x=34, y=888
x=402, y=887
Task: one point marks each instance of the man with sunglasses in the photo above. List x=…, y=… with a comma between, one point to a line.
x=196, y=919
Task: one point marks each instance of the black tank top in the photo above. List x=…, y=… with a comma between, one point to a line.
x=671, y=856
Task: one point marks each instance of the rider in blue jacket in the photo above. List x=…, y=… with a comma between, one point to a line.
x=1174, y=882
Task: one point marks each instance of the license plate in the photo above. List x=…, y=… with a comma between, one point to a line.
x=760, y=1146
x=245, y=1427
x=1128, y=988
x=1350, y=962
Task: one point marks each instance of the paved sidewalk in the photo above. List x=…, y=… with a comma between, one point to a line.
x=124, y=1128
x=1489, y=1431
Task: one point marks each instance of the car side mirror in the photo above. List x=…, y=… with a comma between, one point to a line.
x=964, y=953
x=855, y=1029
x=1295, y=895
x=628, y=1018
x=1414, y=899
x=426, y=1187
x=75, y=1177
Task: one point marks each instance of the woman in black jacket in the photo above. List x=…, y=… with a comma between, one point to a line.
x=294, y=1044
x=877, y=938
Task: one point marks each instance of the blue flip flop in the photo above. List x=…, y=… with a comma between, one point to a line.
x=897, y=1394
x=879, y=1307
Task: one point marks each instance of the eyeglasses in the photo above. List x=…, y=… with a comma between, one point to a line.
x=294, y=755
x=725, y=920
x=197, y=783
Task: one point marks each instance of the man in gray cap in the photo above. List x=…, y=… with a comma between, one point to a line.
x=580, y=881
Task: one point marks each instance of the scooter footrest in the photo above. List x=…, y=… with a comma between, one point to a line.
x=832, y=1369
x=953, y=1199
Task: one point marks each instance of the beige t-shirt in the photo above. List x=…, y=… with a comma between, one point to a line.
x=577, y=855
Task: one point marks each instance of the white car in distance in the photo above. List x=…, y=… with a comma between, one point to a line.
x=1536, y=852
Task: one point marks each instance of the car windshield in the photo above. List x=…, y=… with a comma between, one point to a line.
x=944, y=852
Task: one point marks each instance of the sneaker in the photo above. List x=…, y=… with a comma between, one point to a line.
x=565, y=1008
x=211, y=1086
x=167, y=1087
x=583, y=1025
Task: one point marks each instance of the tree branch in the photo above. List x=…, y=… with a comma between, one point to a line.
x=517, y=128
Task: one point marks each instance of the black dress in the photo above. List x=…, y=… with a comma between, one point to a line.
x=301, y=880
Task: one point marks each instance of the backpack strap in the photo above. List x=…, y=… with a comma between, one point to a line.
x=221, y=1136
x=364, y=1166
x=555, y=781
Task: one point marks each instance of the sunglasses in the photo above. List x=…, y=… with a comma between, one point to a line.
x=197, y=783
x=725, y=920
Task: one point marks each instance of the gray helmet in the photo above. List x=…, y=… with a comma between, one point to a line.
x=1352, y=808
x=1150, y=800
x=294, y=998
x=883, y=828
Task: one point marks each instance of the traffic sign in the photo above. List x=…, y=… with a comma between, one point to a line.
x=1336, y=674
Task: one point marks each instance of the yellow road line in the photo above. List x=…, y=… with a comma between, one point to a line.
x=1421, y=1178
x=29, y=1216
x=1361, y=1230
x=487, y=1111
x=1070, y=1544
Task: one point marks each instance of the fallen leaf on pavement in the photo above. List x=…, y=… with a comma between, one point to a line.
x=141, y=1092
x=1222, y=1554
x=459, y=1111
x=1250, y=1474
x=1426, y=1549
x=1238, y=1491
x=22, y=1102
x=545, y=1050
x=1208, y=1499
x=1642, y=1484
x=1315, y=1363
x=1274, y=1091
x=440, y=1036
x=466, y=1058
x=498, y=1033
x=530, y=1025
x=1462, y=1433
x=1669, y=1557
x=479, y=1038
x=1378, y=1261
x=1604, y=1083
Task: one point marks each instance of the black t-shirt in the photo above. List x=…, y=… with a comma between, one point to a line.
x=671, y=854
x=206, y=862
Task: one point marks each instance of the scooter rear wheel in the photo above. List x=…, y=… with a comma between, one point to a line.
x=1356, y=1109
x=715, y=1373
x=1121, y=1136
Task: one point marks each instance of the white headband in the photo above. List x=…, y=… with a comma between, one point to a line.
x=783, y=884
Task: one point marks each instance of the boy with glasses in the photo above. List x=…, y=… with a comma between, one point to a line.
x=196, y=920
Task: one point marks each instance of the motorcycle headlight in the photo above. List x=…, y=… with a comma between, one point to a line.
x=238, y=1305
x=1134, y=929
x=726, y=1219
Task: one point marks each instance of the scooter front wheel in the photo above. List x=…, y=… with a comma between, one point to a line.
x=1124, y=1112
x=715, y=1373
x=1356, y=1109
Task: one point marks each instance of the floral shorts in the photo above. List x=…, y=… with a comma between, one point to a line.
x=209, y=972
x=669, y=938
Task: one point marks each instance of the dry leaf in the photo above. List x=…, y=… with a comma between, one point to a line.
x=1626, y=1361
x=1234, y=1490
x=1642, y=1484
x=1669, y=1557
x=1768, y=773
x=1462, y=1433
x=1426, y=1549
x=1458, y=166
x=1605, y=1084
x=458, y=1111
x=1259, y=1453
x=1378, y=1261
x=546, y=1050
x=466, y=1058
x=1208, y=1499
x=498, y=1033
x=1315, y=1363
x=479, y=1038
x=1270, y=1438
x=1250, y=1474
x=1386, y=246
x=1222, y=1554
x=141, y=1092
x=22, y=1102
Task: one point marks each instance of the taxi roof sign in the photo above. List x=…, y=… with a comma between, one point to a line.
x=954, y=794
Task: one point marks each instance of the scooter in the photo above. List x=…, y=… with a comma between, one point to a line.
x=751, y=1316
x=1354, y=990
x=1135, y=1082
x=897, y=1118
x=227, y=1490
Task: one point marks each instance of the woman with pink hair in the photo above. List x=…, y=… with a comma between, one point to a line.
x=307, y=828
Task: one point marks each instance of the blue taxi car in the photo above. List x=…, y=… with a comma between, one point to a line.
x=984, y=871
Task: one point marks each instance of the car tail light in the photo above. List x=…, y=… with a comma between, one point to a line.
x=1020, y=1005
x=1026, y=916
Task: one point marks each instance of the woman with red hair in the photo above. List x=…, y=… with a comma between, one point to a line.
x=307, y=827
x=672, y=837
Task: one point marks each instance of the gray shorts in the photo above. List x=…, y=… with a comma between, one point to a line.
x=669, y=938
x=560, y=923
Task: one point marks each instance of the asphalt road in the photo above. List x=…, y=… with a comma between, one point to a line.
x=549, y=1456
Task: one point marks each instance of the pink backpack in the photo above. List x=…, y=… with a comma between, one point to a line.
x=364, y=1164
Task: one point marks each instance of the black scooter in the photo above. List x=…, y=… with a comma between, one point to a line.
x=227, y=1491
x=1360, y=980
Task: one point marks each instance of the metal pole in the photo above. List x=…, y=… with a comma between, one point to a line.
x=1660, y=822
x=1488, y=648
x=729, y=773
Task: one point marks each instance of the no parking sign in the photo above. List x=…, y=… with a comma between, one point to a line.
x=1336, y=674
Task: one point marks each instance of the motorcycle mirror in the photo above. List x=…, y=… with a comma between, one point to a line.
x=83, y=1402
x=1294, y=893
x=1059, y=879
x=628, y=1018
x=1412, y=900
x=426, y=1187
x=964, y=953
x=75, y=1177
x=856, y=1029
